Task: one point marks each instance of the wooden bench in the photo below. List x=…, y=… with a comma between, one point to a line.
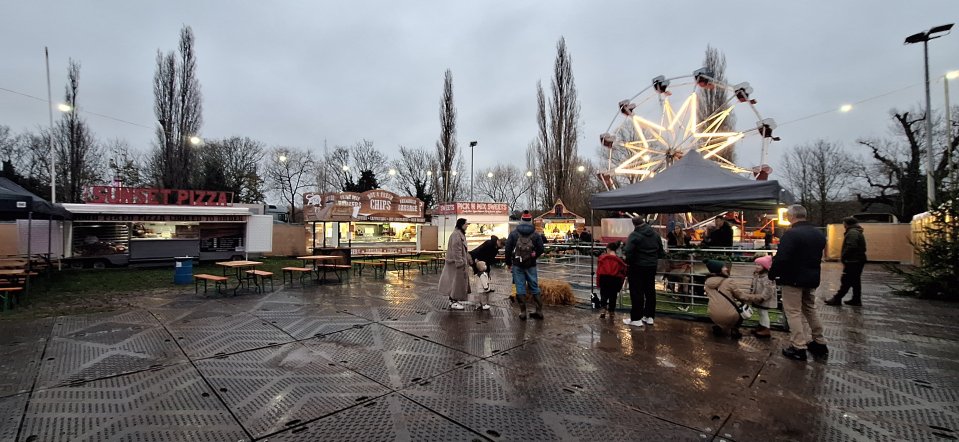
x=335, y=268
x=438, y=263
x=377, y=266
x=303, y=271
x=263, y=275
x=6, y=295
x=217, y=280
x=423, y=264
x=403, y=265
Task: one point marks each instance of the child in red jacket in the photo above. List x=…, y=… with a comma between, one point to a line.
x=610, y=275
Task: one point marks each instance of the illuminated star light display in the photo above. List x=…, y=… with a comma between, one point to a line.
x=655, y=145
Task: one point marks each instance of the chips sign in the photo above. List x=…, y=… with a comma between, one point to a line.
x=373, y=205
x=156, y=197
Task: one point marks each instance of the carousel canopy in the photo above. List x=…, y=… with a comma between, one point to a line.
x=693, y=184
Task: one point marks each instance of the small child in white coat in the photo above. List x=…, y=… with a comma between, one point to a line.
x=767, y=289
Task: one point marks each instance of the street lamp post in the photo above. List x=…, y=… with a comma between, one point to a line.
x=954, y=161
x=472, y=145
x=53, y=171
x=924, y=37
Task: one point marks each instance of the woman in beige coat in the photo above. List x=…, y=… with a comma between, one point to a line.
x=722, y=293
x=455, y=280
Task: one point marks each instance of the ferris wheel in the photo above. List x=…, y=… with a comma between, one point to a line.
x=663, y=122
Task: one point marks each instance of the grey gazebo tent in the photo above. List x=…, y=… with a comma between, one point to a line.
x=19, y=203
x=693, y=184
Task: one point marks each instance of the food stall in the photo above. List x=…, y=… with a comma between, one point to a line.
x=485, y=220
x=372, y=222
x=121, y=225
x=558, y=222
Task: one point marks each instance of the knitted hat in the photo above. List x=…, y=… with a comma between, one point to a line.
x=714, y=266
x=526, y=216
x=764, y=261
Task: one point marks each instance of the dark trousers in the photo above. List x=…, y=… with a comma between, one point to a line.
x=609, y=287
x=642, y=292
x=851, y=279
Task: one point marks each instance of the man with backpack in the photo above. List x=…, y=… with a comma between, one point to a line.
x=523, y=247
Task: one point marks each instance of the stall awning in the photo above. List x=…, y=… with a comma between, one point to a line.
x=693, y=184
x=17, y=202
x=154, y=213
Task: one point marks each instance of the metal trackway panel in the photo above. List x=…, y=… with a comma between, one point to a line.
x=390, y=357
x=385, y=419
x=308, y=321
x=169, y=404
x=223, y=335
x=106, y=349
x=836, y=403
x=192, y=310
x=668, y=382
x=22, y=332
x=509, y=404
x=18, y=367
x=11, y=411
x=71, y=325
x=274, y=388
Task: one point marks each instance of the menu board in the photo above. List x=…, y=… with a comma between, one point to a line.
x=221, y=238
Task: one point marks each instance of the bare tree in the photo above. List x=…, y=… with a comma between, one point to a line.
x=897, y=176
x=334, y=171
x=716, y=99
x=366, y=156
x=414, y=174
x=503, y=183
x=125, y=164
x=235, y=162
x=532, y=167
x=178, y=109
x=820, y=174
x=448, y=178
x=287, y=171
x=75, y=145
x=558, y=131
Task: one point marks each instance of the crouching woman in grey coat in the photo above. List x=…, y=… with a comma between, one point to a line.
x=455, y=280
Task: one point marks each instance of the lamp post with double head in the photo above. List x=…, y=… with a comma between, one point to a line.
x=472, y=145
x=924, y=37
x=954, y=161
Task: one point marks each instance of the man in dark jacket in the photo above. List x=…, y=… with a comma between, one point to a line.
x=796, y=267
x=721, y=236
x=853, y=259
x=643, y=249
x=523, y=247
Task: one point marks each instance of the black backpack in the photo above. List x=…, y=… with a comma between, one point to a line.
x=524, y=254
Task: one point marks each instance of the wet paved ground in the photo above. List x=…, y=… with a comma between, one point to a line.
x=384, y=360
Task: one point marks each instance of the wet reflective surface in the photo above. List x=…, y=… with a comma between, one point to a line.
x=382, y=359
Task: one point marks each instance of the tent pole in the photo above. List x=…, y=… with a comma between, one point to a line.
x=592, y=264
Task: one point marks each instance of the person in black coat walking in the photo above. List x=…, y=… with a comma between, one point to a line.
x=721, y=236
x=853, y=259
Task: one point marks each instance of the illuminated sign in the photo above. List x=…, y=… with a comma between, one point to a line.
x=156, y=197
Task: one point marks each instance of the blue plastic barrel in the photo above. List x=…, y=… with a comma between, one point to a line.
x=183, y=272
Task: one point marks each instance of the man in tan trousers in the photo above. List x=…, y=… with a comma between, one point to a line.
x=796, y=267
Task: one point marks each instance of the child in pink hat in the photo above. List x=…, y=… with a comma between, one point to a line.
x=767, y=289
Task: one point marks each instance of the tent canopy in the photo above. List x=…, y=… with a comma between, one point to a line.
x=693, y=184
x=17, y=202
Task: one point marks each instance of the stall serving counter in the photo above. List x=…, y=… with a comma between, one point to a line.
x=118, y=232
x=368, y=223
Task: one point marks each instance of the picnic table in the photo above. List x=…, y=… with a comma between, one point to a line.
x=317, y=259
x=240, y=267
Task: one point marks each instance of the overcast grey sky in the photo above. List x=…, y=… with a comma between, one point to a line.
x=297, y=73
